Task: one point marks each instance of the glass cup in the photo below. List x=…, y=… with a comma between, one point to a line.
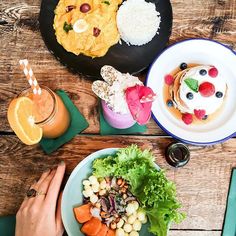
x=116, y=120
x=49, y=112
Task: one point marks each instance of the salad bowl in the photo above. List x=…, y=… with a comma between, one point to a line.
x=203, y=52
x=72, y=194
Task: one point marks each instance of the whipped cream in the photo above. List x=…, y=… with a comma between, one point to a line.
x=112, y=89
x=117, y=101
x=209, y=104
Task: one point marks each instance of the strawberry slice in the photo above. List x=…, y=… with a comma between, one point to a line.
x=199, y=113
x=187, y=118
x=140, y=111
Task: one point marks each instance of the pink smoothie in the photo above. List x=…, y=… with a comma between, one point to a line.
x=116, y=120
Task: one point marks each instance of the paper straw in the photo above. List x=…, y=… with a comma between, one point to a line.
x=148, y=98
x=24, y=65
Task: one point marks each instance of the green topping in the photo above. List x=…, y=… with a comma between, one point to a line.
x=192, y=84
x=156, y=194
x=67, y=27
x=106, y=2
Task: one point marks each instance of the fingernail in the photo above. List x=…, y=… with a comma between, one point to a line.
x=62, y=163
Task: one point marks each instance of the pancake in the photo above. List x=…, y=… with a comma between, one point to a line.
x=174, y=89
x=90, y=33
x=197, y=93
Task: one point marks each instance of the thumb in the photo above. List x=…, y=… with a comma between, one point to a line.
x=59, y=224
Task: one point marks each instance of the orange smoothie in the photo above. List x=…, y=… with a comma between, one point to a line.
x=49, y=112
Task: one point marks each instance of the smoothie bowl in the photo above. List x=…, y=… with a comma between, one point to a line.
x=195, y=81
x=119, y=192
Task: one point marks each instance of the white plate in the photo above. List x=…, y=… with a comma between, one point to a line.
x=200, y=51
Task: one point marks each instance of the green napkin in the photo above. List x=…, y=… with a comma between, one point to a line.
x=229, y=228
x=7, y=225
x=106, y=129
x=77, y=125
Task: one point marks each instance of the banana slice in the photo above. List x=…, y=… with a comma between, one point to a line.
x=109, y=74
x=80, y=26
x=101, y=89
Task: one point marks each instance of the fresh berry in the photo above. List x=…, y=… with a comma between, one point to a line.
x=219, y=94
x=183, y=66
x=213, y=72
x=207, y=89
x=205, y=117
x=169, y=103
x=189, y=96
x=187, y=118
x=202, y=72
x=199, y=113
x=169, y=79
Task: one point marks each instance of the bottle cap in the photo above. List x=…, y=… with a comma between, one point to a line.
x=177, y=154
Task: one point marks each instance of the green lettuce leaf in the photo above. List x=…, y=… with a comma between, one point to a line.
x=154, y=191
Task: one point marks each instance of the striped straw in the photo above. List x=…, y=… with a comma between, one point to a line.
x=148, y=98
x=24, y=65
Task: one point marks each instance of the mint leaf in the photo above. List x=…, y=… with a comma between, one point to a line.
x=192, y=84
x=67, y=27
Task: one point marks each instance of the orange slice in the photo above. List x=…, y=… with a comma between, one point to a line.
x=21, y=119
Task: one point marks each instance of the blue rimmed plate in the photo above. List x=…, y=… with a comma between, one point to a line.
x=199, y=51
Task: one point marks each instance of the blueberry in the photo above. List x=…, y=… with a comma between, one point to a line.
x=189, y=96
x=169, y=103
x=205, y=117
x=219, y=94
x=202, y=72
x=183, y=66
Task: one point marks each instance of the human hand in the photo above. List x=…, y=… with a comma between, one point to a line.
x=41, y=215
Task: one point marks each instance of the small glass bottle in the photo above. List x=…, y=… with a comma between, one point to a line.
x=177, y=154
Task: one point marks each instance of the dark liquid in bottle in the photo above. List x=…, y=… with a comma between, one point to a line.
x=177, y=154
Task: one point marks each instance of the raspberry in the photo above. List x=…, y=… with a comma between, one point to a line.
x=200, y=114
x=213, y=72
x=187, y=118
x=169, y=79
x=207, y=89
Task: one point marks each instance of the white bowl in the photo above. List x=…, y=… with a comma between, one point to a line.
x=200, y=51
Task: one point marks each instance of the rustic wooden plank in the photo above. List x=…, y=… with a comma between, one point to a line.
x=194, y=233
x=20, y=38
x=202, y=185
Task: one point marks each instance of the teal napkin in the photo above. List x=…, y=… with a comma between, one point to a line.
x=229, y=228
x=106, y=129
x=7, y=225
x=77, y=125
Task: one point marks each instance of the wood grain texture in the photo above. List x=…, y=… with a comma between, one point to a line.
x=202, y=185
x=194, y=233
x=20, y=38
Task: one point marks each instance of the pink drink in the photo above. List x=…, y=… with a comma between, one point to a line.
x=117, y=120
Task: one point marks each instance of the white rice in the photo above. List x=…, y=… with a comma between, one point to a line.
x=138, y=21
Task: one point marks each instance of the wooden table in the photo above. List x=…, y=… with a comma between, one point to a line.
x=202, y=185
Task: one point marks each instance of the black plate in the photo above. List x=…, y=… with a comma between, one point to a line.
x=132, y=59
